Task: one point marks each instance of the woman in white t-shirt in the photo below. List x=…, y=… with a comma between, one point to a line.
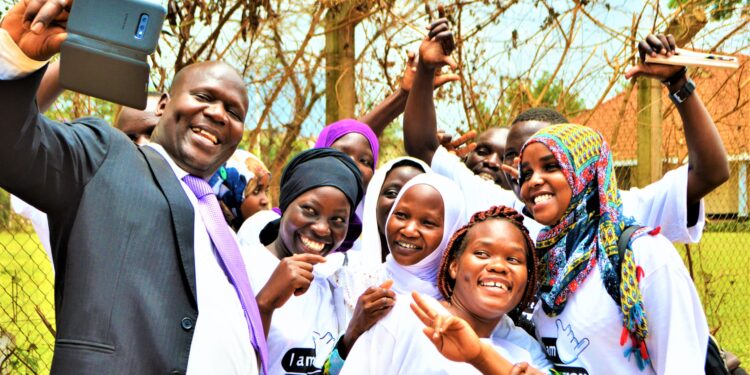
x=486, y=271
x=424, y=215
x=319, y=190
x=590, y=317
x=363, y=268
x=380, y=194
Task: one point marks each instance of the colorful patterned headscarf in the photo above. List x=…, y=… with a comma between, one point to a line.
x=235, y=180
x=587, y=234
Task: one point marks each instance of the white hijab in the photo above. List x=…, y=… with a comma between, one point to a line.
x=371, y=246
x=422, y=276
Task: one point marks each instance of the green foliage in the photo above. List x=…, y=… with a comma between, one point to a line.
x=719, y=274
x=269, y=142
x=26, y=296
x=488, y=117
x=718, y=9
x=392, y=142
x=517, y=98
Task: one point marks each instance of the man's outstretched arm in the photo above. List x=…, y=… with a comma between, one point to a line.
x=46, y=164
x=50, y=89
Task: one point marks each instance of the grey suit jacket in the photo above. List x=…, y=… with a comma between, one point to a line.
x=121, y=230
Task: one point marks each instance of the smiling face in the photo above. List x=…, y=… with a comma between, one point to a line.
x=415, y=229
x=544, y=188
x=202, y=120
x=486, y=159
x=518, y=134
x=358, y=148
x=394, y=181
x=491, y=273
x=256, y=199
x=316, y=222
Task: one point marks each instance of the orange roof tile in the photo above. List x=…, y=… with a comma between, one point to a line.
x=726, y=94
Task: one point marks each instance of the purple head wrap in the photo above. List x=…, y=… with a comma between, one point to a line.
x=326, y=138
x=340, y=128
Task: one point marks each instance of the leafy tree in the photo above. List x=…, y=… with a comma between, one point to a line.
x=521, y=96
x=718, y=9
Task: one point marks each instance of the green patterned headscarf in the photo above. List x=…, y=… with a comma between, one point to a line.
x=587, y=234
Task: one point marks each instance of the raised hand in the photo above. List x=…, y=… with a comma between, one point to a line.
x=38, y=26
x=512, y=171
x=372, y=306
x=292, y=276
x=451, y=335
x=461, y=146
x=435, y=50
x=654, y=45
x=411, y=68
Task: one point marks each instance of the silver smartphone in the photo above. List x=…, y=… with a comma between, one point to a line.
x=105, y=54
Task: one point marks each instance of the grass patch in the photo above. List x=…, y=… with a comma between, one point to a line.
x=26, y=285
x=719, y=267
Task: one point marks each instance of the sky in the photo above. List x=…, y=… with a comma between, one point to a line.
x=500, y=59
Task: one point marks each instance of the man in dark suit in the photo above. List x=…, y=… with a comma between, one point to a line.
x=135, y=263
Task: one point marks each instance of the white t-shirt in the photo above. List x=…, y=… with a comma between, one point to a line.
x=479, y=194
x=397, y=345
x=585, y=337
x=304, y=331
x=351, y=281
x=660, y=204
x=664, y=204
x=249, y=232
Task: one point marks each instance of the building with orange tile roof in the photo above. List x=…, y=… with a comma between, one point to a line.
x=726, y=94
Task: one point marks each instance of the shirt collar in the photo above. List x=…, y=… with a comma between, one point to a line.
x=179, y=172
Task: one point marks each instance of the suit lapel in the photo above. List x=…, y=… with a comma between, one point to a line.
x=180, y=209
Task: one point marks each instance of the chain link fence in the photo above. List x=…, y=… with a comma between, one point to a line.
x=27, y=315
x=718, y=264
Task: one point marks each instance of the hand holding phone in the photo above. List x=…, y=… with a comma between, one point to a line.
x=38, y=28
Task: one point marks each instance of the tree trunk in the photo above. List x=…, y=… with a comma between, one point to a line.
x=649, y=132
x=650, y=155
x=339, y=48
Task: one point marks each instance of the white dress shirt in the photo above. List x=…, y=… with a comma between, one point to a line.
x=221, y=342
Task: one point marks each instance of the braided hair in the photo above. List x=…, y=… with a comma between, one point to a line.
x=458, y=244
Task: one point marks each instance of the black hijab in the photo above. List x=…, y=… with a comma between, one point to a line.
x=312, y=169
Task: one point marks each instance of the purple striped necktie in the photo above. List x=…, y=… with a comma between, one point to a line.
x=233, y=265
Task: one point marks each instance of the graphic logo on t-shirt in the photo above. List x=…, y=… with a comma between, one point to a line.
x=304, y=360
x=565, y=349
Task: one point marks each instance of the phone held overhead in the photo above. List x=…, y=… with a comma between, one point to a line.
x=686, y=57
x=105, y=54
